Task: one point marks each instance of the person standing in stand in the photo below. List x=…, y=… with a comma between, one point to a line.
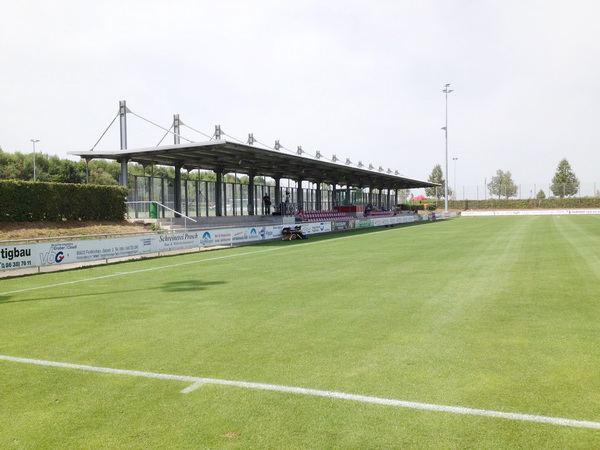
x=267, y=203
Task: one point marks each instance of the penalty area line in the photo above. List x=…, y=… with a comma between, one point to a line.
x=198, y=382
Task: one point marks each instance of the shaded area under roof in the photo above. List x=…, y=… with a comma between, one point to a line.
x=230, y=157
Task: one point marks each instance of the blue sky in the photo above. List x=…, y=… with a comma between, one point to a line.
x=361, y=80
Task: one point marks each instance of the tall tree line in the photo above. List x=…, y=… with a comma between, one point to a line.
x=19, y=166
x=564, y=183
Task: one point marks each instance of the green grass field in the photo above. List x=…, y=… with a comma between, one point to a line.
x=496, y=314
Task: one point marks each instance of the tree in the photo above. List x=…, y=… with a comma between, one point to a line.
x=502, y=185
x=540, y=195
x=437, y=176
x=564, y=183
x=403, y=195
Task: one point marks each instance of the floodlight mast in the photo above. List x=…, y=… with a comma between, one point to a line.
x=446, y=91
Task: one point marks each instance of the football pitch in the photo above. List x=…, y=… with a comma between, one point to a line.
x=466, y=333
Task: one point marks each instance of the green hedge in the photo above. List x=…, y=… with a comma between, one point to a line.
x=547, y=203
x=26, y=201
x=419, y=206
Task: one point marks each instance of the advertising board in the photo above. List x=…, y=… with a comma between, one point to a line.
x=18, y=257
x=341, y=225
x=531, y=212
x=24, y=256
x=316, y=228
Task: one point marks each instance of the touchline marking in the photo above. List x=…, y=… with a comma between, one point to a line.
x=150, y=269
x=170, y=266
x=197, y=382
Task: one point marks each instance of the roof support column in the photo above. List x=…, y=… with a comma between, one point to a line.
x=319, y=199
x=177, y=193
x=278, y=193
x=123, y=177
x=347, y=202
x=219, y=193
x=150, y=184
x=251, y=193
x=334, y=198
x=300, y=195
x=389, y=199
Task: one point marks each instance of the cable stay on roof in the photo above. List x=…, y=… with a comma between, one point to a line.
x=251, y=141
x=107, y=128
x=193, y=129
x=157, y=125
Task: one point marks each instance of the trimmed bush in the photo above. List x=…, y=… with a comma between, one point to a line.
x=26, y=201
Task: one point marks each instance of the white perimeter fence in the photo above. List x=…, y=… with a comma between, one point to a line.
x=530, y=212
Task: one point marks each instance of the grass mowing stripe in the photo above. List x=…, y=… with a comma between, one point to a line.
x=498, y=315
x=119, y=274
x=198, y=382
x=170, y=266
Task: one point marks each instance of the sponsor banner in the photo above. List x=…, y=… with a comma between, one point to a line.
x=339, y=225
x=382, y=221
x=18, y=257
x=363, y=223
x=88, y=250
x=68, y=252
x=216, y=237
x=243, y=235
x=316, y=228
x=405, y=219
x=532, y=212
x=274, y=231
x=256, y=234
x=393, y=220
x=583, y=211
x=178, y=241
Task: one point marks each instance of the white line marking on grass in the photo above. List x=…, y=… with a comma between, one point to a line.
x=197, y=382
x=170, y=266
x=192, y=388
x=150, y=269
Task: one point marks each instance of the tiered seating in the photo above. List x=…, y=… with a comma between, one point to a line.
x=318, y=216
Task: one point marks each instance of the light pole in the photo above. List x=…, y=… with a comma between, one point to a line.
x=455, y=159
x=34, y=142
x=446, y=91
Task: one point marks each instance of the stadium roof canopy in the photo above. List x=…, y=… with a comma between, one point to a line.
x=230, y=157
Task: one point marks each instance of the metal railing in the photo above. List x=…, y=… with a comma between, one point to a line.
x=153, y=211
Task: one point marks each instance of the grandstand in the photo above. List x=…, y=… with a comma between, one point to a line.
x=309, y=182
